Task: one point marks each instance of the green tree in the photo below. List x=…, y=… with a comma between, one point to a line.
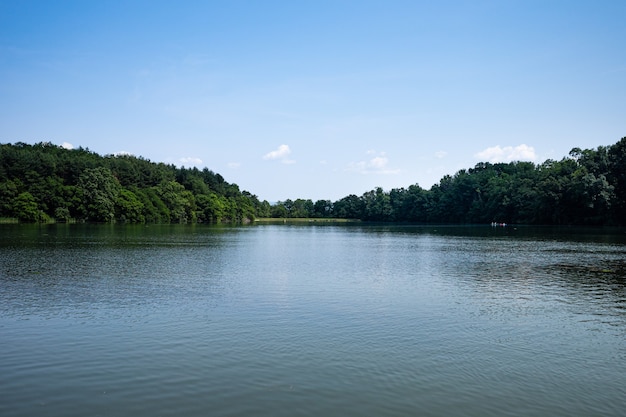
x=279, y=211
x=211, y=208
x=180, y=202
x=100, y=190
x=377, y=206
x=25, y=208
x=154, y=210
x=410, y=205
x=8, y=191
x=62, y=214
x=128, y=208
x=323, y=208
x=349, y=207
x=616, y=176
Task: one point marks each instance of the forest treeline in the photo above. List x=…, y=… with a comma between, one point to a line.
x=45, y=182
x=588, y=187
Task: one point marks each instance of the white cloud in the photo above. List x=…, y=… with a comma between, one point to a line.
x=507, y=154
x=378, y=162
x=282, y=154
x=67, y=145
x=122, y=153
x=234, y=165
x=191, y=160
x=375, y=165
x=441, y=154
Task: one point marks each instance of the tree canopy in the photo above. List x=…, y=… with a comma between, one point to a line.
x=587, y=187
x=43, y=181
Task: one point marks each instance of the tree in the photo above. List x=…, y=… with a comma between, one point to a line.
x=349, y=207
x=62, y=214
x=100, y=190
x=25, y=208
x=323, y=208
x=279, y=211
x=377, y=205
x=180, y=202
x=210, y=208
x=8, y=192
x=413, y=204
x=154, y=210
x=77, y=180
x=128, y=208
x=616, y=176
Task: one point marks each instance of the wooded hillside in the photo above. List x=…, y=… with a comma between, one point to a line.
x=44, y=181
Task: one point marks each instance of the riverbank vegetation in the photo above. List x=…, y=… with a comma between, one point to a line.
x=45, y=182
x=588, y=187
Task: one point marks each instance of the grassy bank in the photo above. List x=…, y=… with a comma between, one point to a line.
x=300, y=220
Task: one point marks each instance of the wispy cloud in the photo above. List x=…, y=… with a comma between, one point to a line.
x=191, y=160
x=441, y=154
x=67, y=145
x=507, y=154
x=234, y=165
x=281, y=153
x=377, y=163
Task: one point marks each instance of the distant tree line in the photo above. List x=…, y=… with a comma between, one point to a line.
x=588, y=187
x=45, y=182
x=42, y=182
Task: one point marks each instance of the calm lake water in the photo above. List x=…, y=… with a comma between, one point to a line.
x=313, y=320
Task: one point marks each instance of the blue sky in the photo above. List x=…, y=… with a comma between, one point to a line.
x=316, y=99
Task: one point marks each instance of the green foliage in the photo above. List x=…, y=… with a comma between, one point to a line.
x=41, y=181
x=80, y=185
x=279, y=211
x=100, y=190
x=62, y=214
x=25, y=207
x=377, y=206
x=586, y=188
x=128, y=208
x=175, y=199
x=154, y=210
x=350, y=207
x=211, y=208
x=8, y=192
x=616, y=176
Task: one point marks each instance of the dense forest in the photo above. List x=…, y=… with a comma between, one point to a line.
x=45, y=182
x=588, y=187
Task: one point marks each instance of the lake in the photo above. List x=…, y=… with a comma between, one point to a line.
x=311, y=320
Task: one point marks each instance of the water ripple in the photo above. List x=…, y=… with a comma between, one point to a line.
x=284, y=321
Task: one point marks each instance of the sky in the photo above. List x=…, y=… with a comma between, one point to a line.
x=316, y=99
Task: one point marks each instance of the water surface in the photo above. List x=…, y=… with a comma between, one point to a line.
x=311, y=320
